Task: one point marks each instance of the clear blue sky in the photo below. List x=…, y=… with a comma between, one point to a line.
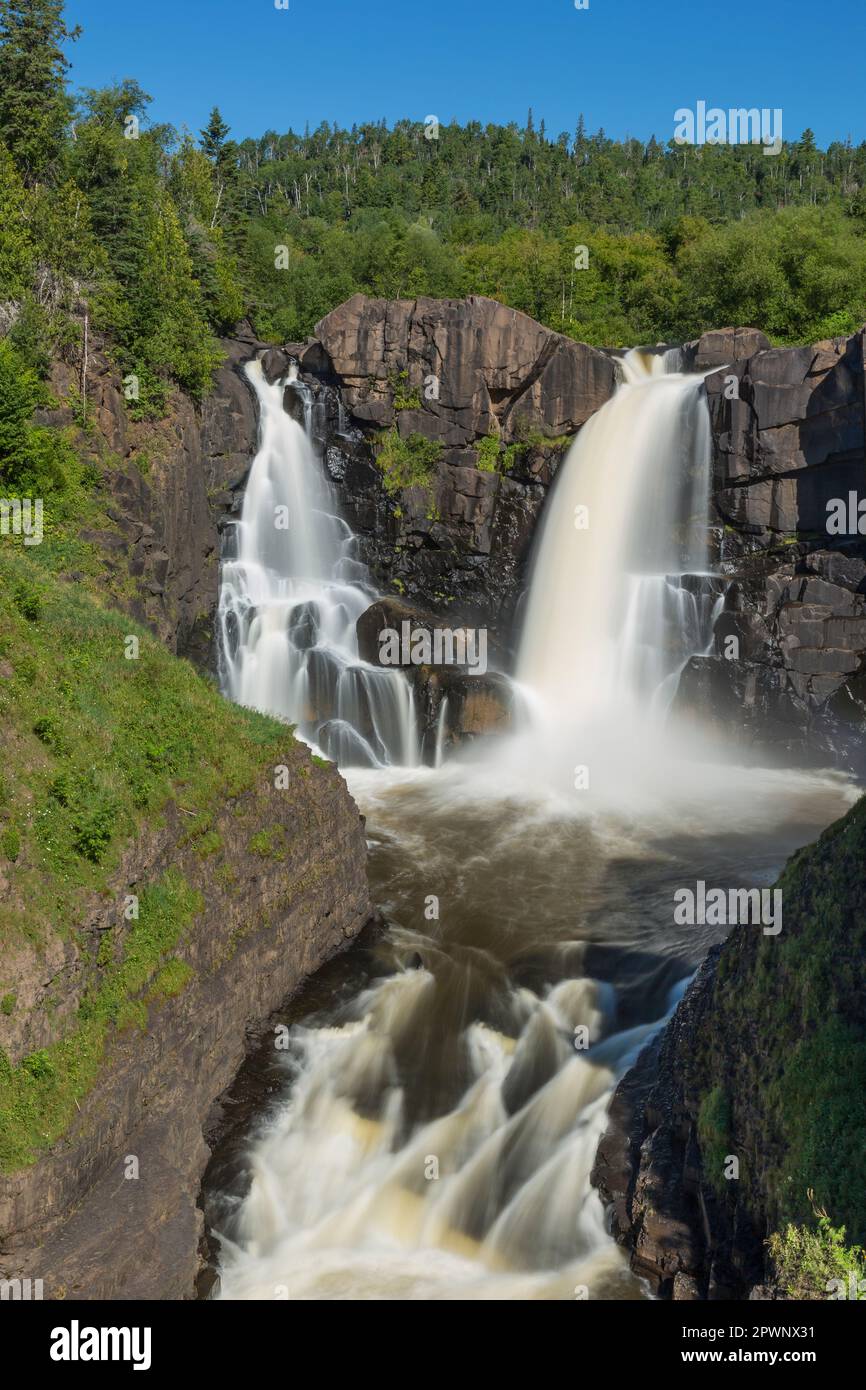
x=627, y=64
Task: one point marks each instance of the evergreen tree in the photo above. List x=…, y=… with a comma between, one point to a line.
x=34, y=105
x=213, y=138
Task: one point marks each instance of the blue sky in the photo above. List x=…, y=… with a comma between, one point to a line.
x=627, y=64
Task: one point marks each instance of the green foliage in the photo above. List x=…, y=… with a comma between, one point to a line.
x=7, y=1004
x=35, y=462
x=407, y=462
x=162, y=242
x=806, y=1261
x=406, y=397
x=10, y=843
x=487, y=454
x=34, y=106
x=28, y=600
x=800, y=274
x=16, y=244
x=501, y=211
x=39, y=1097
x=714, y=1134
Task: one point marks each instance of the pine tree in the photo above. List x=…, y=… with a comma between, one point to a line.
x=213, y=137
x=34, y=106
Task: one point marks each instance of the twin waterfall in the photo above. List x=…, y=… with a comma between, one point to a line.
x=620, y=595
x=439, y=1120
x=290, y=598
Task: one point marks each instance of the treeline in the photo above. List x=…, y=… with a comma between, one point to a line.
x=161, y=240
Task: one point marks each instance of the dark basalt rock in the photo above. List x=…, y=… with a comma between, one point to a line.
x=455, y=372
x=789, y=435
x=723, y=345
x=478, y=703
x=759, y=1011
x=648, y=1171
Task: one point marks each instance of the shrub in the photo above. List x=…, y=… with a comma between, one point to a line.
x=487, y=454
x=407, y=462
x=714, y=1126
x=10, y=843
x=807, y=1261
x=28, y=601
x=93, y=831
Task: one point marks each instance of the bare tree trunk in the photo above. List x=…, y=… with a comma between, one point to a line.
x=84, y=365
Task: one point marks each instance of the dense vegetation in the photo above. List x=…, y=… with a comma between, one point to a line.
x=160, y=240
x=783, y=1068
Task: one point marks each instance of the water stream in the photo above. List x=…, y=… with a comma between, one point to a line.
x=438, y=1113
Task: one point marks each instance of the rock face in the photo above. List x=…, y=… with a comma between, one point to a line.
x=789, y=438
x=454, y=703
x=456, y=372
x=500, y=396
x=762, y=1063
x=170, y=482
x=285, y=891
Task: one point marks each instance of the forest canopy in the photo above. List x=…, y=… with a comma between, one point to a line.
x=163, y=239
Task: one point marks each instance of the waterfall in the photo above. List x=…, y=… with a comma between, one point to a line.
x=440, y=1107
x=292, y=591
x=621, y=595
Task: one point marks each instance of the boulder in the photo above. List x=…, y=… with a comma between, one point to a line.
x=470, y=368
x=722, y=346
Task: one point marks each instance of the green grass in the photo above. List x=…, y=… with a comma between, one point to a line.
x=98, y=745
x=714, y=1133
x=39, y=1097
x=271, y=844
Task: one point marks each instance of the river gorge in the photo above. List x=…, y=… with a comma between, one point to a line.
x=427, y=1115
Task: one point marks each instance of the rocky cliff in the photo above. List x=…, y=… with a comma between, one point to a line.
x=278, y=880
x=747, y=1117
x=171, y=868
x=789, y=439
x=169, y=483
x=498, y=397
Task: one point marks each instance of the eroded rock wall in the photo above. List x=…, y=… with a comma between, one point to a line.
x=282, y=879
x=169, y=482
x=789, y=438
x=457, y=372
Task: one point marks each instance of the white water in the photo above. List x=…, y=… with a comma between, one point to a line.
x=439, y=1131
x=611, y=619
x=290, y=599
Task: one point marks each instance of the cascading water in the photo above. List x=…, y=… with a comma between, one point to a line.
x=441, y=1116
x=621, y=596
x=290, y=597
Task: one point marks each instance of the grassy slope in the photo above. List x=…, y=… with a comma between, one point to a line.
x=95, y=746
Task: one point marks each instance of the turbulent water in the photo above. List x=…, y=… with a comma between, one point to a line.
x=290, y=598
x=440, y=1109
